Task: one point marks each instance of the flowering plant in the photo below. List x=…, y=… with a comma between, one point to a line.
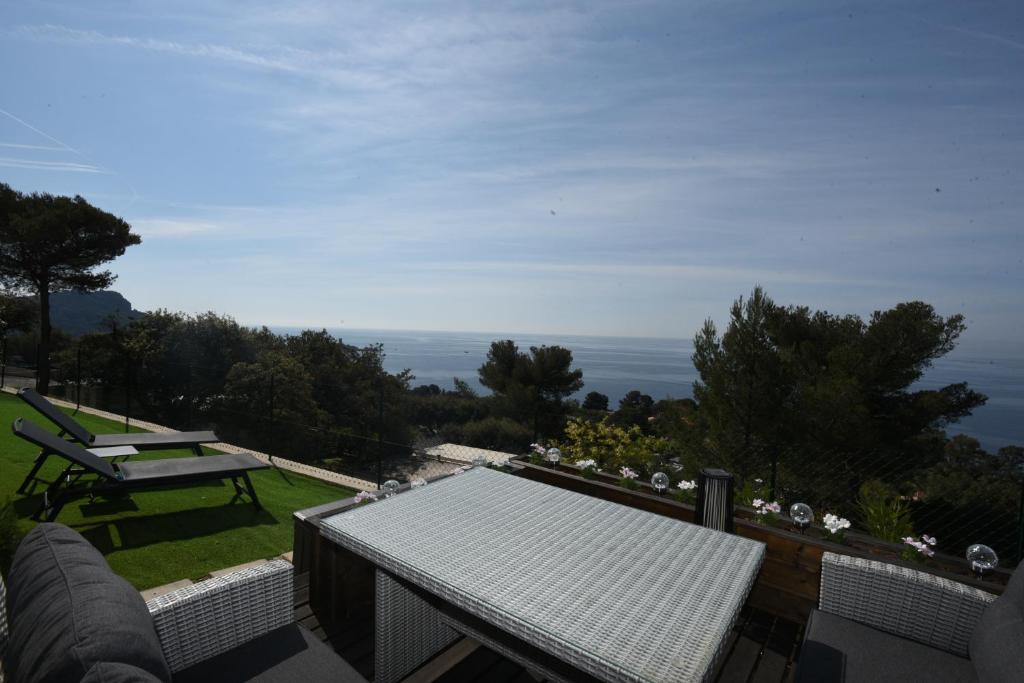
x=921, y=548
x=628, y=479
x=687, y=492
x=537, y=452
x=836, y=526
x=588, y=466
x=766, y=512
x=364, y=496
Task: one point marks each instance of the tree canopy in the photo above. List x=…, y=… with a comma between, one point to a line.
x=532, y=385
x=54, y=243
x=825, y=396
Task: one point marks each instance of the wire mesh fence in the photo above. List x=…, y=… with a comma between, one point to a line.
x=263, y=418
x=958, y=498
x=952, y=493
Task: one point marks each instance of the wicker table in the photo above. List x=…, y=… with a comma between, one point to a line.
x=618, y=593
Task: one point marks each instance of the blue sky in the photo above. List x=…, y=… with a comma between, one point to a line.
x=601, y=168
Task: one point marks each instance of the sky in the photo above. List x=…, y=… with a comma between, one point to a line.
x=578, y=168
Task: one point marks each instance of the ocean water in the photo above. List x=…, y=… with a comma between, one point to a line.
x=661, y=368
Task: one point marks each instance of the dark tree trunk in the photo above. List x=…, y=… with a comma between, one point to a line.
x=43, y=357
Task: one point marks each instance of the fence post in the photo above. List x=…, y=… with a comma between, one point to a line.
x=3, y=361
x=271, y=396
x=78, y=378
x=127, y=392
x=1020, y=526
x=715, y=500
x=188, y=396
x=380, y=432
x=775, y=474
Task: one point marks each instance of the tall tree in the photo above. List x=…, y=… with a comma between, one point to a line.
x=52, y=243
x=534, y=384
x=829, y=399
x=740, y=388
x=595, y=400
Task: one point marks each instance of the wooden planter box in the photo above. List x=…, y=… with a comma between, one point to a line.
x=789, y=581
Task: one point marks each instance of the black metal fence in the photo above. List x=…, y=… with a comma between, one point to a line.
x=260, y=419
x=958, y=499
x=962, y=498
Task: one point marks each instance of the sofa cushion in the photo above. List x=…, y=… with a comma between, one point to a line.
x=287, y=654
x=838, y=649
x=68, y=611
x=997, y=644
x=116, y=672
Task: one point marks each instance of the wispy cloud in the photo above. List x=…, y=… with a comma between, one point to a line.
x=52, y=32
x=62, y=166
x=162, y=227
x=41, y=148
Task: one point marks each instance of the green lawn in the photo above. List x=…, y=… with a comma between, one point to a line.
x=157, y=537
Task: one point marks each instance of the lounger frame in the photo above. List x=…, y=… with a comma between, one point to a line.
x=109, y=481
x=70, y=427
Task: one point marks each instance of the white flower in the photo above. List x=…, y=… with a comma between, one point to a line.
x=758, y=502
x=773, y=507
x=363, y=496
x=628, y=473
x=930, y=540
x=687, y=485
x=586, y=464
x=835, y=523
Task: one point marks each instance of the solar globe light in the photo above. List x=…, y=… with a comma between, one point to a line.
x=802, y=515
x=982, y=558
x=553, y=455
x=660, y=482
x=390, y=488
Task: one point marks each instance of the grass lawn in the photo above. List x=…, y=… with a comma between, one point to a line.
x=158, y=537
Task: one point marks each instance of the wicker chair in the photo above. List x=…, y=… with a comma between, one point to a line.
x=880, y=622
x=72, y=619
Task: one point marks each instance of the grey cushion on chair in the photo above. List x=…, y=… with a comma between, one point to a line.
x=285, y=655
x=997, y=644
x=68, y=612
x=839, y=649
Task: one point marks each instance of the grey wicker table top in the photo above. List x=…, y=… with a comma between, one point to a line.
x=618, y=592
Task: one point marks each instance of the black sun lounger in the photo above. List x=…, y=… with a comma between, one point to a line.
x=113, y=479
x=144, y=441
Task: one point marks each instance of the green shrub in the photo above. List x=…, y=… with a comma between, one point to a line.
x=883, y=513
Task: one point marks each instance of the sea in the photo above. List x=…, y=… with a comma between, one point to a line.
x=662, y=368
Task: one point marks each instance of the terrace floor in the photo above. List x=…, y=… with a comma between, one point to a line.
x=762, y=649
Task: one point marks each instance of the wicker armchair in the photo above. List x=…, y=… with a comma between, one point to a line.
x=210, y=618
x=73, y=619
x=878, y=621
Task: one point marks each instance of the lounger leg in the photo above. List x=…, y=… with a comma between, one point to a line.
x=252, y=490
x=33, y=472
x=198, y=450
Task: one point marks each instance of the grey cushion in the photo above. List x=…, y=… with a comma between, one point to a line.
x=288, y=654
x=68, y=611
x=115, y=672
x=838, y=649
x=997, y=644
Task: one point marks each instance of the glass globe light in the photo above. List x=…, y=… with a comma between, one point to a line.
x=982, y=558
x=417, y=482
x=802, y=515
x=479, y=461
x=390, y=488
x=660, y=482
x=553, y=455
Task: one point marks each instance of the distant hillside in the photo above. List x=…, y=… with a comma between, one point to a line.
x=77, y=313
